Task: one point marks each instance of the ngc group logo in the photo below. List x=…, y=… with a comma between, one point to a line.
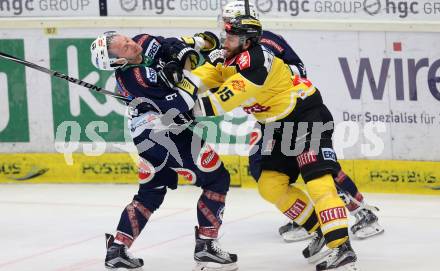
x=264, y=6
x=372, y=7
x=128, y=5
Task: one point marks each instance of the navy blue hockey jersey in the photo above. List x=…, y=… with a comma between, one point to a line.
x=281, y=49
x=142, y=80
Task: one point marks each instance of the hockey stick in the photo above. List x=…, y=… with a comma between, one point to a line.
x=65, y=77
x=247, y=10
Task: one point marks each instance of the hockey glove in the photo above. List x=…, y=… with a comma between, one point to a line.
x=170, y=73
x=198, y=43
x=190, y=54
x=211, y=39
x=178, y=51
x=216, y=56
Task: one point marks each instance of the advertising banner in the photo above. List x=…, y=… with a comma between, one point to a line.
x=50, y=8
x=106, y=168
x=377, y=176
x=75, y=107
x=394, y=10
x=378, y=10
x=14, y=122
x=389, y=10
x=383, y=90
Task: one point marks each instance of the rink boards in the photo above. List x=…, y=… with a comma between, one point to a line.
x=380, y=176
x=383, y=95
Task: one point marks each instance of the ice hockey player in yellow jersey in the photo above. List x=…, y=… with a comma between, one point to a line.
x=297, y=136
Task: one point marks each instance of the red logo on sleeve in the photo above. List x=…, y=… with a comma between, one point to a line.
x=244, y=60
x=187, y=174
x=139, y=78
x=146, y=171
x=208, y=159
x=297, y=80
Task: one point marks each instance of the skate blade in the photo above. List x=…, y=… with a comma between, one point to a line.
x=371, y=230
x=290, y=237
x=201, y=266
x=348, y=267
x=319, y=256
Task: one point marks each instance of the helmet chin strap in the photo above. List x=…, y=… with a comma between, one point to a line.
x=121, y=65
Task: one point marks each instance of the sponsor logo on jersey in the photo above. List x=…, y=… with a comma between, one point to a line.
x=208, y=160
x=255, y=136
x=238, y=85
x=146, y=171
x=331, y=214
x=142, y=40
x=328, y=154
x=297, y=80
x=244, y=60
x=151, y=75
x=187, y=174
x=152, y=49
x=256, y=108
x=296, y=209
x=272, y=44
x=306, y=158
x=139, y=78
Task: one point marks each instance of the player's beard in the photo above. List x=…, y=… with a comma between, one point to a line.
x=230, y=53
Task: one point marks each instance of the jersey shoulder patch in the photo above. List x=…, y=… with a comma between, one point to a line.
x=258, y=63
x=243, y=60
x=250, y=59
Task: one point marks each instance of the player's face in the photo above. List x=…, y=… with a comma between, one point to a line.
x=124, y=47
x=231, y=45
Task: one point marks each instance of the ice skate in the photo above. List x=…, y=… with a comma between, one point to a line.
x=118, y=258
x=209, y=256
x=313, y=251
x=366, y=224
x=292, y=232
x=341, y=258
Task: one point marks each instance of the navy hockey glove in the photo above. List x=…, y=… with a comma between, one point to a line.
x=216, y=56
x=170, y=73
x=178, y=51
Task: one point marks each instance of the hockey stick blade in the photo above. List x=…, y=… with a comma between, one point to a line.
x=65, y=77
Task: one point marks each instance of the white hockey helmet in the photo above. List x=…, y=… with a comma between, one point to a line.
x=237, y=8
x=101, y=58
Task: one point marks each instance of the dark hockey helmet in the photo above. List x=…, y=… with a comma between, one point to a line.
x=245, y=26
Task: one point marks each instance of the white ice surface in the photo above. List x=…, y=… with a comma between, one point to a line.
x=61, y=228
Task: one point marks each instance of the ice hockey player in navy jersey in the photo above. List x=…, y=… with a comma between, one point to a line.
x=149, y=69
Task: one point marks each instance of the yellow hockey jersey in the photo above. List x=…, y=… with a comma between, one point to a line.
x=257, y=81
